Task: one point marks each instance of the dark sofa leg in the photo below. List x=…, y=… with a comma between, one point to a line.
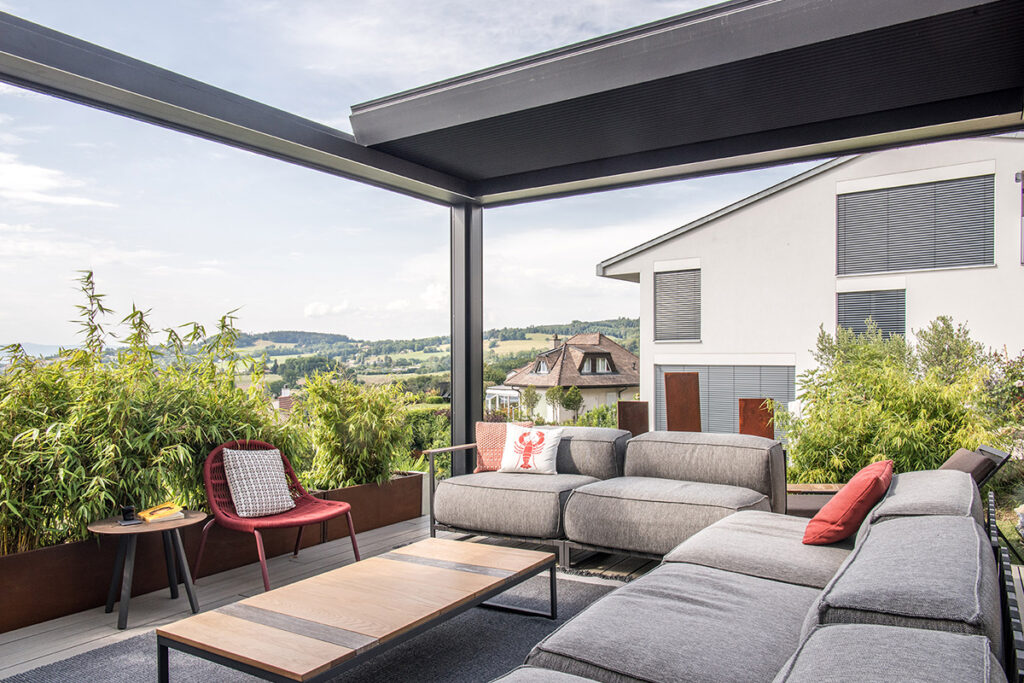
x=564, y=555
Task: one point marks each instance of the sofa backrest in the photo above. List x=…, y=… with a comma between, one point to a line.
x=592, y=451
x=936, y=572
x=928, y=492
x=753, y=462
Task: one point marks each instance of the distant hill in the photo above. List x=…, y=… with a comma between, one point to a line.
x=621, y=328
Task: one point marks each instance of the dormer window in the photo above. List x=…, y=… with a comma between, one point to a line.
x=596, y=365
x=542, y=367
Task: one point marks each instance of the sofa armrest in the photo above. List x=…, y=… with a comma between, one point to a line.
x=432, y=473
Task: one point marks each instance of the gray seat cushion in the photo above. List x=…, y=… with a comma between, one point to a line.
x=533, y=674
x=934, y=572
x=682, y=622
x=593, y=451
x=882, y=654
x=528, y=505
x=763, y=544
x=648, y=515
x=930, y=492
x=751, y=462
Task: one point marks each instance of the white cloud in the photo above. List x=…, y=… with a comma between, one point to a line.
x=28, y=183
x=319, y=309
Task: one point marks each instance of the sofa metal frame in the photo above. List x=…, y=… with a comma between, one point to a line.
x=1013, y=629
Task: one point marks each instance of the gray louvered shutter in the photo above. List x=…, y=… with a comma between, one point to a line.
x=721, y=387
x=677, y=305
x=888, y=309
x=931, y=225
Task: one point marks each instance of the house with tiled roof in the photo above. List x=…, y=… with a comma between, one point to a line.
x=602, y=370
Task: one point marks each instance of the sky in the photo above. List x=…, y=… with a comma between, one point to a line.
x=191, y=229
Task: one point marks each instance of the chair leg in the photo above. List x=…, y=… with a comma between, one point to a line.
x=263, y=558
x=352, y=535
x=202, y=548
x=298, y=542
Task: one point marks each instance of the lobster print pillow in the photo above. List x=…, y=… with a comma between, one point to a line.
x=530, y=451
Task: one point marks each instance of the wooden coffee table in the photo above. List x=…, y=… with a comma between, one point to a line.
x=317, y=628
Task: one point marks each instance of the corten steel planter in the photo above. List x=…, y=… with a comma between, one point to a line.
x=375, y=505
x=44, y=584
x=47, y=583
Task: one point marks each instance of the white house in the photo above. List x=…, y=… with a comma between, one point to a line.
x=902, y=236
x=602, y=370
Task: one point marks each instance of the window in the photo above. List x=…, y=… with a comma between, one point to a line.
x=596, y=364
x=542, y=367
x=888, y=309
x=677, y=305
x=932, y=225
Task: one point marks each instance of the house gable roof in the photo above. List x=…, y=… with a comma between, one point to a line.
x=603, y=266
x=565, y=362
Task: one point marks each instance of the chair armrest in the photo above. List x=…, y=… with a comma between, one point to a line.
x=430, y=453
x=448, y=449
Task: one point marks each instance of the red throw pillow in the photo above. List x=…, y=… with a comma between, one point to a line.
x=842, y=516
x=490, y=444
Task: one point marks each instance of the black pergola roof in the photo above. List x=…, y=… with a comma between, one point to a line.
x=742, y=84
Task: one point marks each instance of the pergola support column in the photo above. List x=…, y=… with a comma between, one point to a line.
x=467, y=329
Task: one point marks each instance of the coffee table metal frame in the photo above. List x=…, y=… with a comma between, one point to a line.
x=164, y=644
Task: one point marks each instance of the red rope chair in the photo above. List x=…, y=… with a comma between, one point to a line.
x=307, y=510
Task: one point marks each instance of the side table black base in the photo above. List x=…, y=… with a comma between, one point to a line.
x=124, y=568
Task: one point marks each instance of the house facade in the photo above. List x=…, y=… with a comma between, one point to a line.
x=901, y=236
x=602, y=370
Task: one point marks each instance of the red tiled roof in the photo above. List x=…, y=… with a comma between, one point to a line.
x=565, y=362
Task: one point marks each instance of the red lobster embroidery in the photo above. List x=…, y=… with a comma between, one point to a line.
x=527, y=446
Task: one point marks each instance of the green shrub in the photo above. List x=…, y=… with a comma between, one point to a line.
x=601, y=416
x=357, y=432
x=867, y=401
x=80, y=436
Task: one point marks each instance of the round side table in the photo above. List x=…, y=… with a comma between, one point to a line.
x=124, y=565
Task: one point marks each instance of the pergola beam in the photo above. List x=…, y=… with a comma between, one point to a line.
x=467, y=329
x=44, y=60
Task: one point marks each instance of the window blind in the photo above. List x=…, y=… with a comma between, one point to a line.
x=888, y=309
x=677, y=305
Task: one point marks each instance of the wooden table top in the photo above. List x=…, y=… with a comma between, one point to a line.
x=303, y=629
x=110, y=525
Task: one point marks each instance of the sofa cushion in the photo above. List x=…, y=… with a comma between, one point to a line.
x=257, y=481
x=530, y=451
x=681, y=622
x=490, y=443
x=935, y=572
x=507, y=504
x=880, y=654
x=648, y=515
x=978, y=465
x=842, y=516
x=594, y=451
x=930, y=492
x=534, y=674
x=763, y=544
x=751, y=462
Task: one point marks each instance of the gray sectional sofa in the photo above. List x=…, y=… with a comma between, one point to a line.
x=642, y=496
x=914, y=596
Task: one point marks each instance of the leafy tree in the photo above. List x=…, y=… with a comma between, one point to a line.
x=866, y=402
x=572, y=399
x=553, y=396
x=493, y=374
x=529, y=398
x=949, y=351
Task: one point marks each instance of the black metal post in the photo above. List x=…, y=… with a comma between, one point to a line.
x=115, y=577
x=186, y=575
x=126, y=582
x=554, y=592
x=172, y=574
x=467, y=328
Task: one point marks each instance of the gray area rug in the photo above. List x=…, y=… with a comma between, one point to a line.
x=478, y=645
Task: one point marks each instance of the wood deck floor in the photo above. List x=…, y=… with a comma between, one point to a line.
x=58, y=639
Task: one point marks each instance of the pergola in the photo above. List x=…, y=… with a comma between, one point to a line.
x=742, y=84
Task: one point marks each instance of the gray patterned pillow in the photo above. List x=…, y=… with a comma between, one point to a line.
x=258, y=484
